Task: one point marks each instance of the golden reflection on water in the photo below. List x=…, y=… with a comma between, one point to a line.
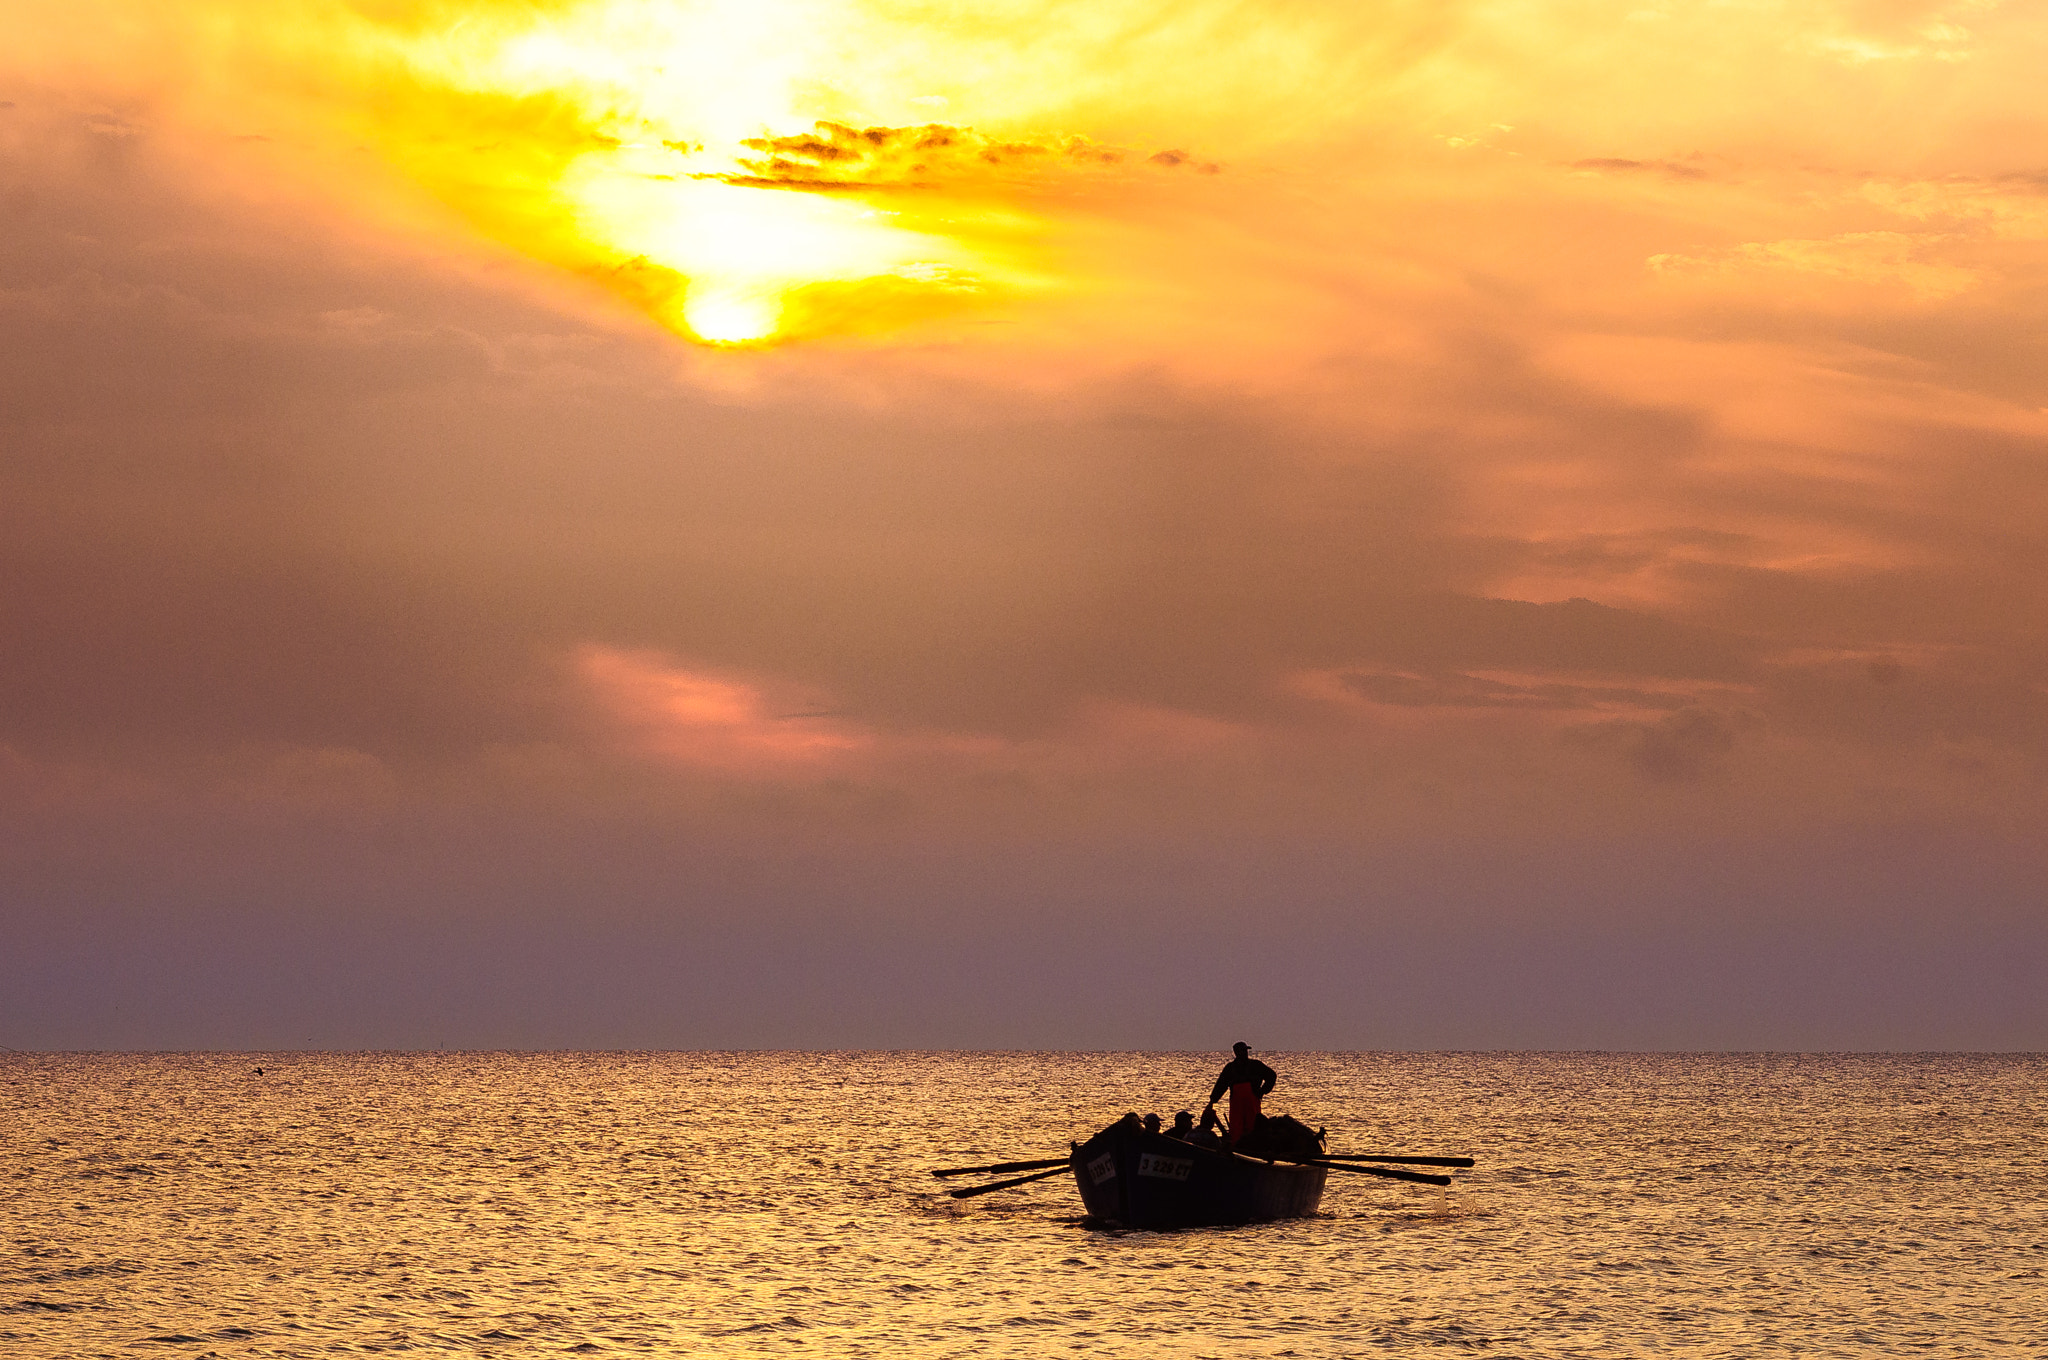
x=747, y=1204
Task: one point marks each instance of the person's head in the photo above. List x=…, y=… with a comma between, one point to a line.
x=1209, y=1118
x=1151, y=1123
x=1183, y=1120
x=1242, y=1050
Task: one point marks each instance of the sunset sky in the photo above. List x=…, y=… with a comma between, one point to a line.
x=607, y=523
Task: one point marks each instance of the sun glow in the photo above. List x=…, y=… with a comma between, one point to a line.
x=728, y=317
x=744, y=172
x=740, y=250
x=681, y=156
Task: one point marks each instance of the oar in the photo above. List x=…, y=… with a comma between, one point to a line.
x=1416, y=1176
x=971, y=1191
x=1000, y=1167
x=1405, y=1161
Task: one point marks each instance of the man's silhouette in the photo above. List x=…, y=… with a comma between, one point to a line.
x=1247, y=1079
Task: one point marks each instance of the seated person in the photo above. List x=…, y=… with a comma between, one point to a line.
x=1151, y=1123
x=1210, y=1134
x=1183, y=1126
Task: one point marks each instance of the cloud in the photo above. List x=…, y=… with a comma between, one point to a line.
x=363, y=529
x=1149, y=545
x=1619, y=165
x=1894, y=30
x=334, y=496
x=1472, y=691
x=1682, y=746
x=1173, y=160
x=1912, y=261
x=2011, y=207
x=836, y=157
x=698, y=718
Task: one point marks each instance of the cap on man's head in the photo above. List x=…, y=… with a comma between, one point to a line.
x=1241, y=1048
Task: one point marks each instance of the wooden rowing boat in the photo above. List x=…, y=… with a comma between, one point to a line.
x=1146, y=1180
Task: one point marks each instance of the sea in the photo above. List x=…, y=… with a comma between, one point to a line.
x=762, y=1204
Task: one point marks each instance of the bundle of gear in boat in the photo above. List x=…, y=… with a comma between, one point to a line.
x=1274, y=1136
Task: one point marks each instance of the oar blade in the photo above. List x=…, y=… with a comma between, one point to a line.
x=1401, y=1161
x=1385, y=1173
x=971, y=1191
x=1000, y=1167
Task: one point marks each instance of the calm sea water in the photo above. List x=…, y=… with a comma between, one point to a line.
x=715, y=1204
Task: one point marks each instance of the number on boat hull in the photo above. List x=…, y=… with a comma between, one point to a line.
x=1165, y=1168
x=1102, y=1168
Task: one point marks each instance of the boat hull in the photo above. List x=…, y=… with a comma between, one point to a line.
x=1147, y=1180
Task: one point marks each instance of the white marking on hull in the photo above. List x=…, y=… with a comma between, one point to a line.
x=1165, y=1168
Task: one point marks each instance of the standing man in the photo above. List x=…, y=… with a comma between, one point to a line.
x=1247, y=1079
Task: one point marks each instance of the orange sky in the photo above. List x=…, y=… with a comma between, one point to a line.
x=1349, y=439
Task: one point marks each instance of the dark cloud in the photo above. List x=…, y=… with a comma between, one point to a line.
x=1173, y=160
x=1679, y=748
x=838, y=156
x=1684, y=745
x=1964, y=701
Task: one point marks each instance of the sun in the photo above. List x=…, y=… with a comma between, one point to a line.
x=723, y=316
x=672, y=154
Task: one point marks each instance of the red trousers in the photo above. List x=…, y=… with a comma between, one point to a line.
x=1244, y=1109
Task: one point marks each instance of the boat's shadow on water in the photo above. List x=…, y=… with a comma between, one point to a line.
x=1388, y=1221
x=1391, y=1218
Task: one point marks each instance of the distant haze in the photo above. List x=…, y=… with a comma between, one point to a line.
x=1440, y=526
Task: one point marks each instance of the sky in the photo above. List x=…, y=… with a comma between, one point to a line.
x=614, y=524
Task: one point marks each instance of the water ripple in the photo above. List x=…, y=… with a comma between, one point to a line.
x=750, y=1204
